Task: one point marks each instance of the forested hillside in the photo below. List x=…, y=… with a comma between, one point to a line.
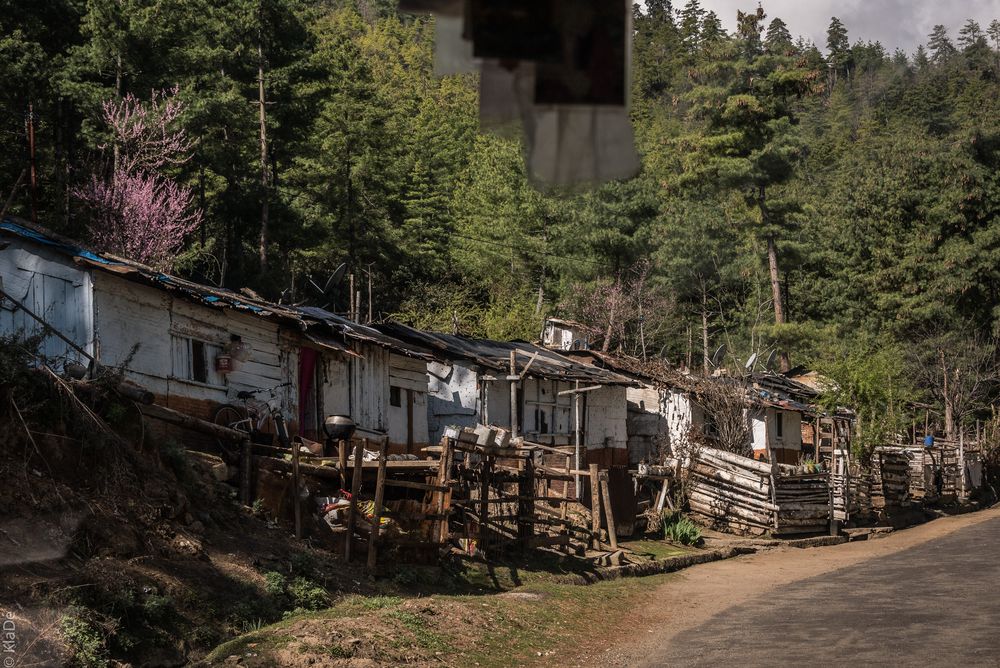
x=845, y=189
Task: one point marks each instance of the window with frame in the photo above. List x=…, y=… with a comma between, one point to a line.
x=779, y=424
x=194, y=361
x=395, y=396
x=547, y=413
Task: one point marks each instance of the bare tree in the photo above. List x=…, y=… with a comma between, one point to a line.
x=959, y=371
x=726, y=401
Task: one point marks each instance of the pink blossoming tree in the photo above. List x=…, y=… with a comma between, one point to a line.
x=138, y=211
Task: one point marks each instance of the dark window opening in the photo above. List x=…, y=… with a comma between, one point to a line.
x=779, y=424
x=395, y=397
x=199, y=362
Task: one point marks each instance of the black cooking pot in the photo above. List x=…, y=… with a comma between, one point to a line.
x=339, y=427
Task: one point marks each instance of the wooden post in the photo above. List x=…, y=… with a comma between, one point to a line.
x=246, y=472
x=961, y=461
x=576, y=431
x=606, y=498
x=352, y=511
x=526, y=502
x=342, y=457
x=513, y=393
x=444, y=474
x=564, y=507
x=595, y=506
x=486, y=466
x=379, y=497
x=449, y=456
x=296, y=483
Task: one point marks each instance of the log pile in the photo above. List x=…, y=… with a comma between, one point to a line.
x=742, y=495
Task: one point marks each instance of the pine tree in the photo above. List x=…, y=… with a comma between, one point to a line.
x=920, y=59
x=778, y=39
x=711, y=29
x=838, y=47
x=691, y=18
x=940, y=45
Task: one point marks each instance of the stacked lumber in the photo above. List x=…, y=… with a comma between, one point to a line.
x=742, y=495
x=803, y=503
x=890, y=477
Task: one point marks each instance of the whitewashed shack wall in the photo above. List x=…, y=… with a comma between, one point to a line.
x=370, y=387
x=410, y=376
x=453, y=397
x=765, y=428
x=55, y=289
x=607, y=418
x=647, y=421
x=129, y=314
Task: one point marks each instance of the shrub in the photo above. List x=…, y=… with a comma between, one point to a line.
x=86, y=642
x=679, y=529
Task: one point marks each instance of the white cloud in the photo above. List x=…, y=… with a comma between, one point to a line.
x=895, y=23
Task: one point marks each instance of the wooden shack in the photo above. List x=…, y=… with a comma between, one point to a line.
x=536, y=393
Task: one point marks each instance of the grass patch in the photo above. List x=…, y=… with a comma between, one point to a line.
x=494, y=630
x=657, y=549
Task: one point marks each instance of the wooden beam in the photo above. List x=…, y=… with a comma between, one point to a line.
x=379, y=496
x=352, y=512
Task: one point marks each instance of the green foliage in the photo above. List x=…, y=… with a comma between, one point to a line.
x=873, y=175
x=678, y=528
x=86, y=642
x=307, y=595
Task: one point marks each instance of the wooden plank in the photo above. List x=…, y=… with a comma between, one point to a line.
x=377, y=519
x=246, y=473
x=606, y=498
x=170, y=416
x=296, y=486
x=352, y=511
x=422, y=486
x=595, y=503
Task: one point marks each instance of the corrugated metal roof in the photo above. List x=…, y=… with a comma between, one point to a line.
x=315, y=320
x=495, y=355
x=352, y=330
x=195, y=292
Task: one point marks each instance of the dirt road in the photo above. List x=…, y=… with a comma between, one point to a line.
x=925, y=596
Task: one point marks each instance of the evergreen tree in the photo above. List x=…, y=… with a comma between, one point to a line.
x=690, y=25
x=838, y=47
x=940, y=45
x=778, y=39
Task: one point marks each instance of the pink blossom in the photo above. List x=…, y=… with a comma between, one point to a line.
x=137, y=211
x=143, y=217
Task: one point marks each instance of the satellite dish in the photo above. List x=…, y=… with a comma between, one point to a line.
x=719, y=355
x=751, y=362
x=769, y=364
x=324, y=291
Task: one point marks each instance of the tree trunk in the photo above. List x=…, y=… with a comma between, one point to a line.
x=779, y=306
x=704, y=329
x=264, y=171
x=611, y=325
x=949, y=417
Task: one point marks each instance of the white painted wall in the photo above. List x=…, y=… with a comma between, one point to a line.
x=453, y=398
x=52, y=288
x=130, y=314
x=765, y=426
x=410, y=376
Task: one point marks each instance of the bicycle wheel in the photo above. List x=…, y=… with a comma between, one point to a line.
x=233, y=417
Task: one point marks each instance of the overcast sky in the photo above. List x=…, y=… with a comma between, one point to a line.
x=896, y=23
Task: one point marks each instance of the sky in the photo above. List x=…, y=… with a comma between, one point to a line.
x=895, y=23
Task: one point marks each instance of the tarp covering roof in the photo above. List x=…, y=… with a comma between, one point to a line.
x=495, y=355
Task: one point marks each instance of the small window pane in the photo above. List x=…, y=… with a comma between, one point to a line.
x=395, y=397
x=199, y=363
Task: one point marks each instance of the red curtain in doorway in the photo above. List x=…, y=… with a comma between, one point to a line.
x=308, y=358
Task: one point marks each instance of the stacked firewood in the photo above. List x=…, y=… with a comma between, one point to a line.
x=742, y=495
